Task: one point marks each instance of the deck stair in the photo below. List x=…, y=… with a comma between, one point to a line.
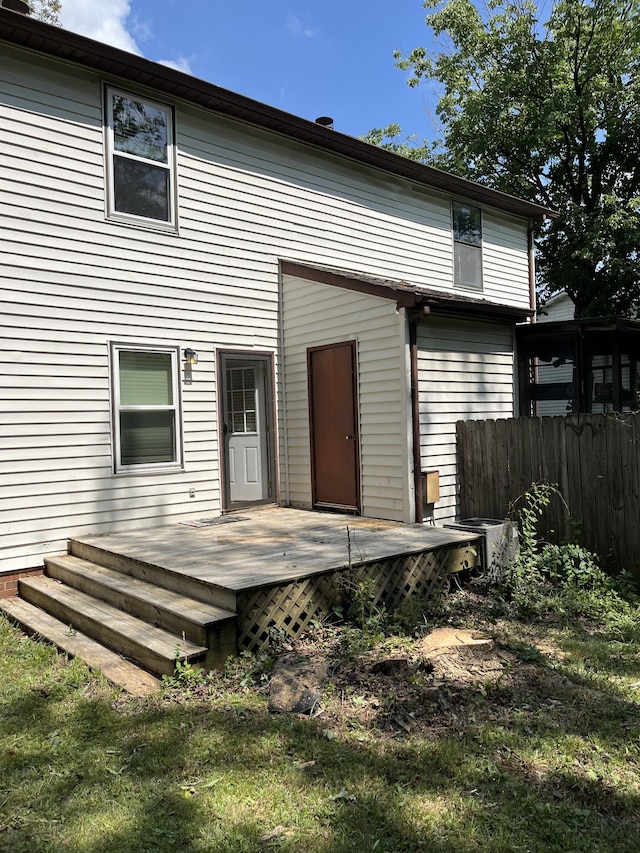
x=149, y=624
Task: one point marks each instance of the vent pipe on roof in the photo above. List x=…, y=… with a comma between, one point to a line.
x=16, y=6
x=325, y=121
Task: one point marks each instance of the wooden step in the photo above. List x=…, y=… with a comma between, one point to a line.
x=204, y=624
x=121, y=672
x=157, y=575
x=153, y=648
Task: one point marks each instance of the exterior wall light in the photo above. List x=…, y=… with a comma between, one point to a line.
x=190, y=356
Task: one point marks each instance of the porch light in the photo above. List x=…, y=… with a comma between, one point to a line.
x=190, y=356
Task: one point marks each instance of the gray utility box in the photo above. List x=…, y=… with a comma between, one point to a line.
x=500, y=542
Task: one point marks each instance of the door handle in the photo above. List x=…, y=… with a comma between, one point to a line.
x=350, y=437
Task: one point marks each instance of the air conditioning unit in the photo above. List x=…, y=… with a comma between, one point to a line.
x=500, y=545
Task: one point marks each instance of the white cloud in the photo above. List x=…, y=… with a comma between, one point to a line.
x=141, y=29
x=180, y=64
x=112, y=23
x=105, y=22
x=295, y=25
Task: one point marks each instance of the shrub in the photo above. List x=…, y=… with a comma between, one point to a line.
x=566, y=580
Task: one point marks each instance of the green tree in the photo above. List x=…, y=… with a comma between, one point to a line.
x=46, y=10
x=550, y=111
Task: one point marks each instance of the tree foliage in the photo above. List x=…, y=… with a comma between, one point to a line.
x=550, y=111
x=46, y=10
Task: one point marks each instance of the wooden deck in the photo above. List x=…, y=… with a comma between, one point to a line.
x=281, y=569
x=198, y=594
x=273, y=545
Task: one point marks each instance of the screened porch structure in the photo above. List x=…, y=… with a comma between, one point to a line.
x=574, y=366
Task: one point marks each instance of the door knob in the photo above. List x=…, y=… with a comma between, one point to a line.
x=349, y=437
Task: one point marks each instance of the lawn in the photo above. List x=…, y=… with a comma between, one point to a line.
x=528, y=743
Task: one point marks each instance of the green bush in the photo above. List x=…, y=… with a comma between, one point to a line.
x=565, y=581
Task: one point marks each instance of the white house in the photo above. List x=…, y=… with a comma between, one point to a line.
x=207, y=302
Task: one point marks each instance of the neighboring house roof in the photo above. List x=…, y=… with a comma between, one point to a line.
x=560, y=296
x=27, y=32
x=558, y=307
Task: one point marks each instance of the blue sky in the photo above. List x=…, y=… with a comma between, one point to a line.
x=308, y=57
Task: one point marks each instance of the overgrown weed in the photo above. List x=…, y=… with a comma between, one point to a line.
x=565, y=581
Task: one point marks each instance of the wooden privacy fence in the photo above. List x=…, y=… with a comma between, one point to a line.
x=592, y=458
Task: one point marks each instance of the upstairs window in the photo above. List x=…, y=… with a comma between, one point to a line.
x=467, y=246
x=141, y=168
x=146, y=408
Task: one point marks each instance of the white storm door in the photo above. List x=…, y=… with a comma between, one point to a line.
x=245, y=442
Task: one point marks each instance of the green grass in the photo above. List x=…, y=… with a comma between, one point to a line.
x=546, y=758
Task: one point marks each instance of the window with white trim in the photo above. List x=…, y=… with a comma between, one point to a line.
x=146, y=398
x=141, y=172
x=467, y=245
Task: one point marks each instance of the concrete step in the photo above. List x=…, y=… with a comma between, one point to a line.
x=153, y=648
x=204, y=624
x=121, y=672
x=158, y=575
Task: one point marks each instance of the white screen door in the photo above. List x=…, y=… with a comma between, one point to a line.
x=246, y=447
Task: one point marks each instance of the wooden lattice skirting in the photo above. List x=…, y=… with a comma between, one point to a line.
x=292, y=607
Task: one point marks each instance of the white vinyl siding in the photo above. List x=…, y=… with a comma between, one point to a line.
x=73, y=280
x=505, y=262
x=559, y=307
x=316, y=314
x=466, y=372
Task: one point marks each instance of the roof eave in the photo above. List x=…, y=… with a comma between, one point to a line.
x=420, y=301
x=53, y=41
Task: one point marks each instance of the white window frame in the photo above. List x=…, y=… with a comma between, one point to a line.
x=147, y=467
x=169, y=224
x=479, y=286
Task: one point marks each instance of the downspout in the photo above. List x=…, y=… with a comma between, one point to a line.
x=415, y=412
x=535, y=224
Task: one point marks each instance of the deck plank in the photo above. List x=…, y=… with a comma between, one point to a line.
x=121, y=672
x=75, y=572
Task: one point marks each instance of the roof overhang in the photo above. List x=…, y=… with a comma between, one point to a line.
x=421, y=302
x=585, y=326
x=26, y=32
x=596, y=335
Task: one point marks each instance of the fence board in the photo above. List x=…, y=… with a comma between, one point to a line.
x=464, y=463
x=589, y=470
x=616, y=483
x=488, y=452
x=501, y=506
x=629, y=435
x=594, y=459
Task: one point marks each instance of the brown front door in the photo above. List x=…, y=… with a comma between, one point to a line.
x=335, y=466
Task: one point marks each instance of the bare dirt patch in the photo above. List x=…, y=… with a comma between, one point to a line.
x=449, y=678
